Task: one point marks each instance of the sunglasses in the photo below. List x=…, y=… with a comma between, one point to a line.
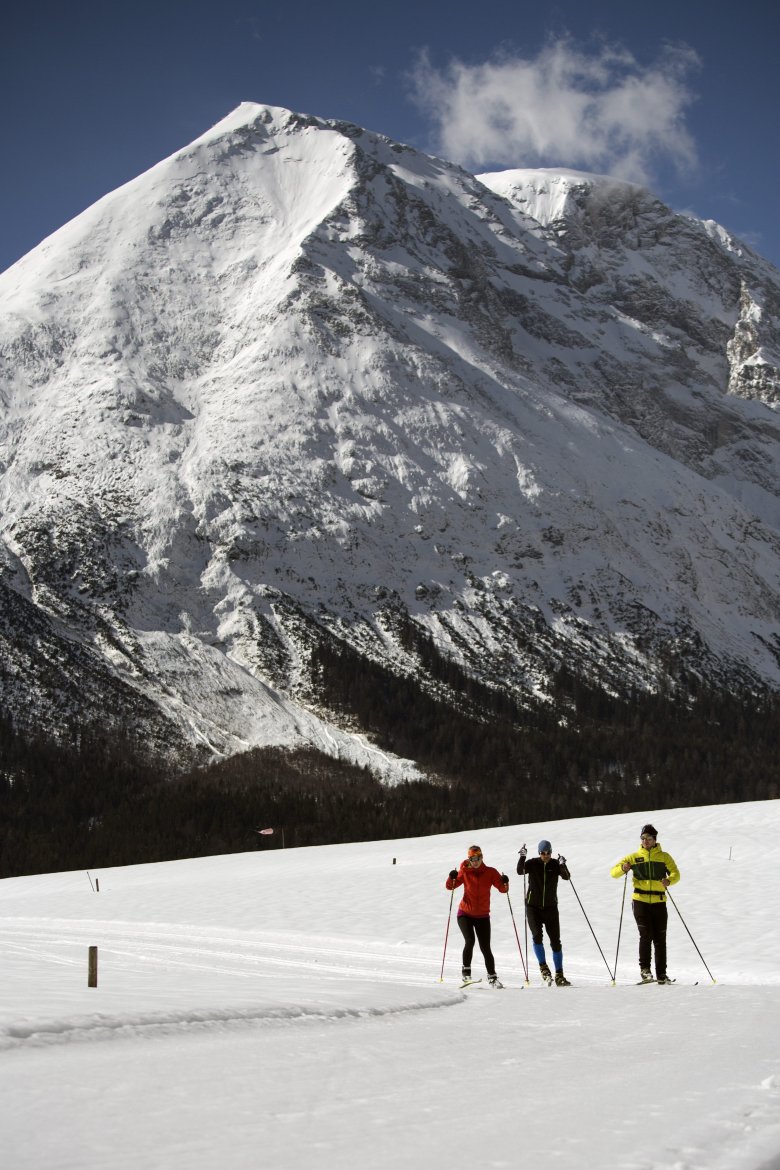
x=545, y=852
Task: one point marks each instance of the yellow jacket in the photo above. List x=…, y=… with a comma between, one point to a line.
x=648, y=866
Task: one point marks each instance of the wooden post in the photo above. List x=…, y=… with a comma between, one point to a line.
x=393, y=861
x=92, y=978
x=97, y=885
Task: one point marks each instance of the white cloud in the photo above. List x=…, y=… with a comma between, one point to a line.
x=601, y=111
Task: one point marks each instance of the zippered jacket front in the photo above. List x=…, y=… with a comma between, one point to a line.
x=542, y=879
x=648, y=866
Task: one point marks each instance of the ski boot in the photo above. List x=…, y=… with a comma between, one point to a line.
x=561, y=980
x=646, y=975
x=494, y=981
x=664, y=979
x=546, y=974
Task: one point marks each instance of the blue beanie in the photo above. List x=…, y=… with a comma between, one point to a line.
x=545, y=847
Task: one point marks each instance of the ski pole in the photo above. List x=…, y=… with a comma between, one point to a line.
x=517, y=936
x=525, y=917
x=592, y=931
x=690, y=936
x=446, y=935
x=620, y=927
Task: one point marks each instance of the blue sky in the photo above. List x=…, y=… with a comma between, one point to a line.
x=683, y=96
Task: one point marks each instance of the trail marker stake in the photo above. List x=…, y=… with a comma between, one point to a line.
x=92, y=967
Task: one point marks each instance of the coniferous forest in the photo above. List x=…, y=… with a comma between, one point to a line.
x=100, y=801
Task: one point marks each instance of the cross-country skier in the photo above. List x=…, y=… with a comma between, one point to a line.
x=474, y=910
x=653, y=871
x=541, y=906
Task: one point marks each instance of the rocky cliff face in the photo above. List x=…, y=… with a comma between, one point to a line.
x=299, y=383
x=754, y=362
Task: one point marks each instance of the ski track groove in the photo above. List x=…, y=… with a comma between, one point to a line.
x=159, y=945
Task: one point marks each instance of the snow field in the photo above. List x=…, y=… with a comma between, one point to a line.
x=285, y=1007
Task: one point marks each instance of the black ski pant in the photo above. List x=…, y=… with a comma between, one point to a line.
x=651, y=919
x=478, y=928
x=547, y=917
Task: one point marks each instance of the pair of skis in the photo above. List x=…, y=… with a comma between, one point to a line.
x=549, y=982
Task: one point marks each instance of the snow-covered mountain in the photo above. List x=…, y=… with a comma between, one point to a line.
x=299, y=383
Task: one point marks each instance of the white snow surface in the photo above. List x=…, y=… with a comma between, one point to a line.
x=284, y=1008
x=545, y=193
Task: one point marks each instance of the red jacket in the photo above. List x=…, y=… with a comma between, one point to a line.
x=477, y=882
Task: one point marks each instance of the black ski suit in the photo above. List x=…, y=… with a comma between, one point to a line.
x=541, y=900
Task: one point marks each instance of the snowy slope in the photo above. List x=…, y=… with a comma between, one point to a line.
x=285, y=1007
x=298, y=379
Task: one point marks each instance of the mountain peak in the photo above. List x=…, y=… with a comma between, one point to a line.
x=301, y=386
x=552, y=194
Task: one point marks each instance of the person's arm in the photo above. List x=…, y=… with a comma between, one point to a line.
x=521, y=862
x=623, y=866
x=673, y=873
x=455, y=879
x=499, y=881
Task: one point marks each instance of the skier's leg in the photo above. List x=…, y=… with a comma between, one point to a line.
x=534, y=918
x=482, y=928
x=644, y=922
x=553, y=924
x=660, y=922
x=466, y=925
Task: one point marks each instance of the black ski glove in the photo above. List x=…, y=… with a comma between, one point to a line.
x=453, y=874
x=504, y=879
x=524, y=852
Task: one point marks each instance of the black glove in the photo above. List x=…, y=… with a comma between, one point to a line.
x=561, y=859
x=504, y=879
x=453, y=874
x=524, y=852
